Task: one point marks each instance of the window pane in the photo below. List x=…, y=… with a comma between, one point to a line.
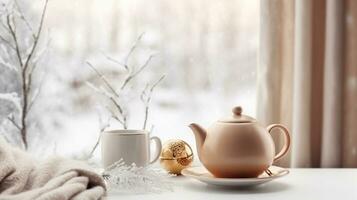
x=206, y=48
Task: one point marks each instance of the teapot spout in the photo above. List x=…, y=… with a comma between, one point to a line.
x=200, y=136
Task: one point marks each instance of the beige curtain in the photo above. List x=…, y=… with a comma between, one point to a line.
x=307, y=79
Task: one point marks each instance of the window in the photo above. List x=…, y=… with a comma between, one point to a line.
x=206, y=48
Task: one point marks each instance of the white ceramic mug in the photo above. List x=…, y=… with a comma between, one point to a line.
x=133, y=146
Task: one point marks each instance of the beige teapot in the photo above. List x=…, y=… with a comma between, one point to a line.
x=238, y=146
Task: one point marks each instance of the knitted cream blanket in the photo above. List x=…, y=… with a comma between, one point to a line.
x=24, y=178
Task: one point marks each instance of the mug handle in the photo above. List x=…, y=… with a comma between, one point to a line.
x=286, y=146
x=158, y=148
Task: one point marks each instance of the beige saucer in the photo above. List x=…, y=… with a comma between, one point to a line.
x=201, y=174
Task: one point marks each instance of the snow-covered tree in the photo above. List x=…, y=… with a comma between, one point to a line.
x=20, y=54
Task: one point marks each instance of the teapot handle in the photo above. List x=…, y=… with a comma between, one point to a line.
x=286, y=146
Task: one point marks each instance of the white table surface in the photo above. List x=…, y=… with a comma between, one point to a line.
x=300, y=184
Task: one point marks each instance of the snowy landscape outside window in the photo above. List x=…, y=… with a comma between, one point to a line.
x=207, y=50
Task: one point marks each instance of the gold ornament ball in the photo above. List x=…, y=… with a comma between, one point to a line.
x=175, y=156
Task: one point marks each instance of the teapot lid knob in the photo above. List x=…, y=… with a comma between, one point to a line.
x=238, y=117
x=237, y=110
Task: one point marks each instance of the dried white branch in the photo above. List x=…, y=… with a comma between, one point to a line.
x=113, y=100
x=114, y=116
x=104, y=79
x=102, y=127
x=125, y=64
x=132, y=49
x=132, y=75
x=121, y=111
x=111, y=59
x=146, y=96
x=113, y=95
x=100, y=90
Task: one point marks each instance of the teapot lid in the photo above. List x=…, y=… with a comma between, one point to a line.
x=238, y=117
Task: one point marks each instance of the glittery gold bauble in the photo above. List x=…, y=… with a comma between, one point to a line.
x=175, y=156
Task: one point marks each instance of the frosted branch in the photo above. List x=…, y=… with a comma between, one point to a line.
x=132, y=179
x=113, y=100
x=12, y=28
x=22, y=16
x=115, y=61
x=102, y=126
x=113, y=96
x=37, y=36
x=13, y=122
x=104, y=79
x=25, y=58
x=36, y=93
x=146, y=98
x=131, y=51
x=40, y=53
x=132, y=75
